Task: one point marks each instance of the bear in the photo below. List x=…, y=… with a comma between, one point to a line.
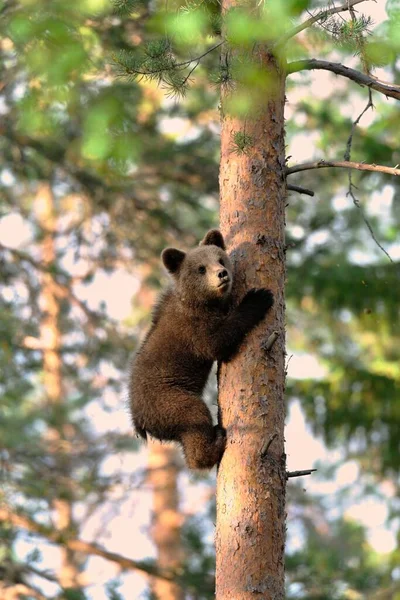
x=194, y=323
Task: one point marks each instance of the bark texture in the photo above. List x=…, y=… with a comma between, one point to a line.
x=251, y=479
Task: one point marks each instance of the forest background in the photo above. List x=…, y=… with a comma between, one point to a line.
x=98, y=174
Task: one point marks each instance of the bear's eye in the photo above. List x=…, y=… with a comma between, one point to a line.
x=221, y=262
x=202, y=269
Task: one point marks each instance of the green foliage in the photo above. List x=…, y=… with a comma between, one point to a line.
x=223, y=77
x=199, y=557
x=56, y=52
x=157, y=62
x=380, y=52
x=391, y=27
x=112, y=590
x=241, y=142
x=73, y=594
x=122, y=189
x=336, y=562
x=126, y=7
x=189, y=26
x=194, y=20
x=345, y=409
x=339, y=286
x=349, y=32
x=342, y=311
x=153, y=60
x=355, y=405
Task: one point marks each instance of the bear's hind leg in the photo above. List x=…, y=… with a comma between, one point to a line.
x=203, y=445
x=187, y=419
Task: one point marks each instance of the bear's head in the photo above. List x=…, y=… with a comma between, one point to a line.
x=203, y=274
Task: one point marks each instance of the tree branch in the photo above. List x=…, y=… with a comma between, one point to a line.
x=347, y=154
x=320, y=164
x=63, y=289
x=347, y=157
x=266, y=444
x=300, y=190
x=270, y=341
x=318, y=17
x=44, y=574
x=388, y=89
x=90, y=548
x=290, y=474
x=19, y=590
x=172, y=67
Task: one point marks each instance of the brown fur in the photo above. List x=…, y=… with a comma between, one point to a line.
x=194, y=324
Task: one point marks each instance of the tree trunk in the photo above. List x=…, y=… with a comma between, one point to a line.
x=251, y=485
x=167, y=520
x=50, y=335
x=163, y=461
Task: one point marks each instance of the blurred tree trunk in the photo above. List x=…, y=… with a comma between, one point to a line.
x=163, y=461
x=167, y=519
x=250, y=535
x=58, y=437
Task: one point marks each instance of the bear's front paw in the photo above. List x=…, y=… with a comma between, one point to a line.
x=256, y=303
x=219, y=441
x=219, y=432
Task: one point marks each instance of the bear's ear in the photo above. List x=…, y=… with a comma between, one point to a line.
x=213, y=238
x=172, y=259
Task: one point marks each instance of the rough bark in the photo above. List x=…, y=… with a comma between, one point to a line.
x=50, y=337
x=167, y=519
x=251, y=479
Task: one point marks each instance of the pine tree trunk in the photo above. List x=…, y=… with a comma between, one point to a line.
x=250, y=535
x=167, y=519
x=56, y=436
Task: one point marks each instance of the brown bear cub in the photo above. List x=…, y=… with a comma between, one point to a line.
x=194, y=324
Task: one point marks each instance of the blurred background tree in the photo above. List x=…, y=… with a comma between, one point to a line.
x=127, y=171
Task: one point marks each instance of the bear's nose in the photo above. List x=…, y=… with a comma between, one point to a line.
x=222, y=274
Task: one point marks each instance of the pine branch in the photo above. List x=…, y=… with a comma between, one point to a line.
x=356, y=203
x=62, y=289
x=266, y=445
x=159, y=63
x=356, y=33
x=94, y=186
x=388, y=89
x=44, y=574
x=347, y=154
x=347, y=157
x=198, y=58
x=125, y=7
x=56, y=154
x=323, y=14
x=320, y=164
x=89, y=548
